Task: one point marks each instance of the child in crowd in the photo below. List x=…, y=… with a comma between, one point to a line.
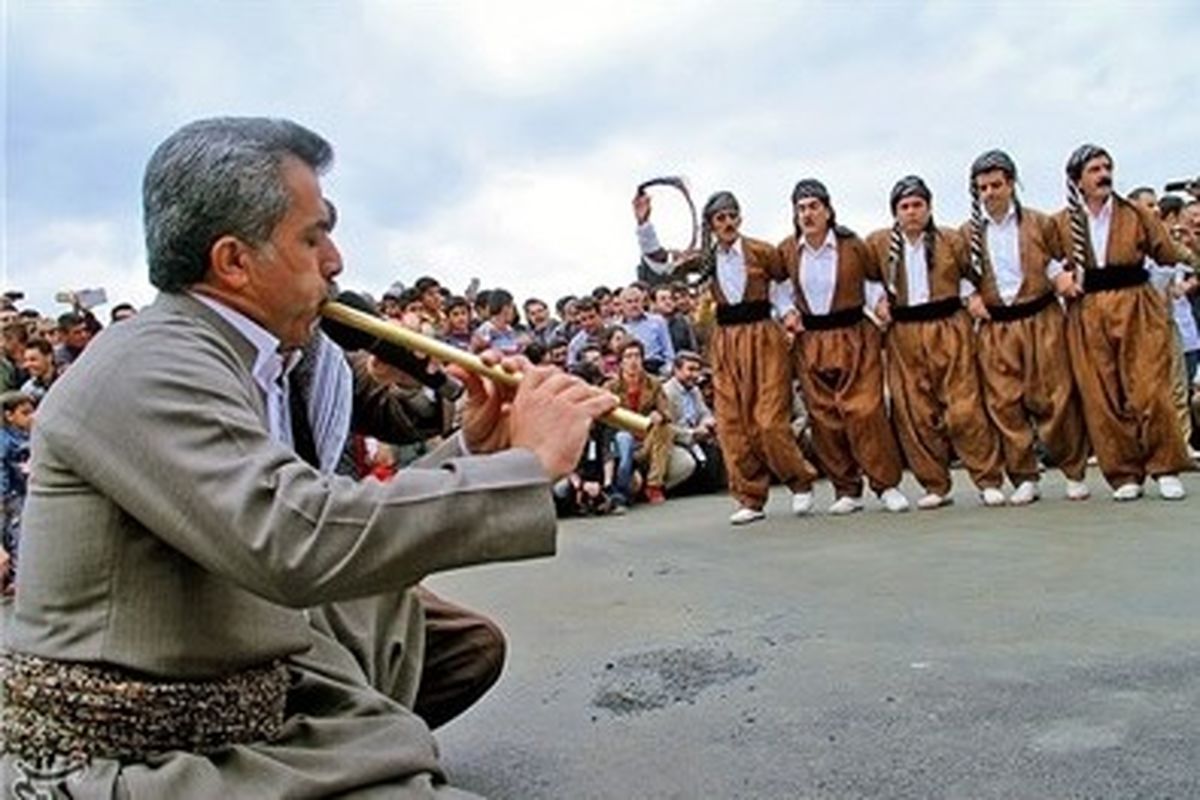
x=17, y=409
x=587, y=490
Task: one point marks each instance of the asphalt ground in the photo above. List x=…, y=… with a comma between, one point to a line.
x=1050, y=651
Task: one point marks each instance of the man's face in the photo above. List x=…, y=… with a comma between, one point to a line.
x=1190, y=217
x=292, y=274
x=558, y=356
x=812, y=216
x=913, y=214
x=1096, y=180
x=631, y=303
x=14, y=348
x=996, y=191
x=683, y=301
x=389, y=307
x=432, y=298
x=459, y=319
x=688, y=373
x=590, y=321
x=37, y=363
x=537, y=314
x=1148, y=202
x=606, y=305
x=20, y=417
x=664, y=302
x=725, y=226
x=571, y=313
x=631, y=363
x=76, y=337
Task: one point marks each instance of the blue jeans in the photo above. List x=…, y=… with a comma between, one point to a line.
x=626, y=445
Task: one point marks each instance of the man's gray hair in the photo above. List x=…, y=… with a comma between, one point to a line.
x=218, y=177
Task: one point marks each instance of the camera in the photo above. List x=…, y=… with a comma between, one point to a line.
x=84, y=298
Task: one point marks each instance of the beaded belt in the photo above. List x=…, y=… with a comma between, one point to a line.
x=81, y=711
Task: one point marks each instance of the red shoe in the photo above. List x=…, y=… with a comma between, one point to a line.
x=655, y=496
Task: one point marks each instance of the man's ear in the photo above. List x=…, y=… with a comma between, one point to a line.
x=229, y=262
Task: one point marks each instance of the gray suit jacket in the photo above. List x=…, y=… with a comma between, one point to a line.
x=167, y=532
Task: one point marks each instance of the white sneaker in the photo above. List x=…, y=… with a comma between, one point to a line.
x=1025, y=494
x=845, y=505
x=1127, y=491
x=931, y=501
x=1077, y=490
x=992, y=497
x=802, y=503
x=745, y=515
x=894, y=500
x=1171, y=488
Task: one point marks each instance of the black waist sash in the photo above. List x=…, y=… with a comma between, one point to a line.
x=1114, y=276
x=927, y=312
x=743, y=313
x=845, y=318
x=1016, y=311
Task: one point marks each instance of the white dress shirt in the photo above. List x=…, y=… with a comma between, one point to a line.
x=270, y=366
x=916, y=271
x=818, y=273
x=1004, y=253
x=1098, y=227
x=731, y=271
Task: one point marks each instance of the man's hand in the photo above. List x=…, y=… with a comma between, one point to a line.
x=976, y=307
x=883, y=311
x=1066, y=285
x=655, y=418
x=641, y=207
x=549, y=412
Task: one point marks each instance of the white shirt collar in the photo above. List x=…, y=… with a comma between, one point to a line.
x=269, y=363
x=1105, y=210
x=1009, y=216
x=829, y=242
x=736, y=247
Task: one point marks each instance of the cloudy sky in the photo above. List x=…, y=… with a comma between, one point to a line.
x=504, y=139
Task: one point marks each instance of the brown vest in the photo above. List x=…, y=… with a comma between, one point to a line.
x=854, y=266
x=950, y=264
x=1039, y=243
x=763, y=265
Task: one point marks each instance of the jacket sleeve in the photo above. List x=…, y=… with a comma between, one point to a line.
x=178, y=444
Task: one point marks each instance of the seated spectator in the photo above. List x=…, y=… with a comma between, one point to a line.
x=17, y=409
x=587, y=491
x=122, y=311
x=641, y=392
x=535, y=351
x=606, y=302
x=541, y=326
x=39, y=366
x=567, y=309
x=499, y=331
x=75, y=332
x=612, y=341
x=591, y=328
x=389, y=304
x=412, y=313
x=556, y=353
x=12, y=370
x=592, y=354
x=650, y=329
x=696, y=465
x=429, y=292
x=458, y=323
x=683, y=334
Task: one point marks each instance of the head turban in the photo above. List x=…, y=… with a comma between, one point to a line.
x=721, y=201
x=910, y=186
x=1082, y=155
x=810, y=187
x=992, y=160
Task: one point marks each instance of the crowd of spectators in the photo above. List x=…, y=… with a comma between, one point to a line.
x=646, y=342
